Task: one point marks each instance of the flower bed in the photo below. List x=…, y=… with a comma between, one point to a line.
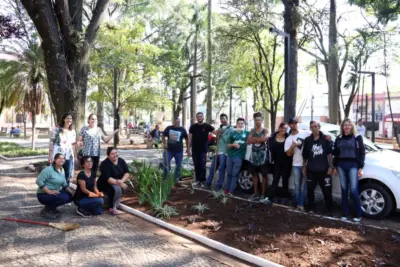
x=282, y=236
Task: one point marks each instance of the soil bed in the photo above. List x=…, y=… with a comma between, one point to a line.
x=279, y=235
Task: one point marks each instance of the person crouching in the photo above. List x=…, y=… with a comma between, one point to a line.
x=88, y=198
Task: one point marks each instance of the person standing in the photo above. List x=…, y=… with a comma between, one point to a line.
x=89, y=140
x=282, y=163
x=154, y=136
x=349, y=160
x=360, y=127
x=236, y=153
x=219, y=160
x=317, y=166
x=63, y=140
x=293, y=147
x=198, y=140
x=174, y=147
x=258, y=160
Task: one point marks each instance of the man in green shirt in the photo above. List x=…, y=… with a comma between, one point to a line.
x=236, y=152
x=219, y=159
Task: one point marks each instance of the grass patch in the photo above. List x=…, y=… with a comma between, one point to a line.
x=9, y=149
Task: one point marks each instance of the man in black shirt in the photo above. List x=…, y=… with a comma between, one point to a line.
x=198, y=140
x=174, y=147
x=317, y=166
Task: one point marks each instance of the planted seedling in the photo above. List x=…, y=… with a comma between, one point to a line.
x=225, y=199
x=165, y=212
x=200, y=208
x=216, y=195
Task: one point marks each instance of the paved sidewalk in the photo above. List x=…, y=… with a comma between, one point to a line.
x=101, y=241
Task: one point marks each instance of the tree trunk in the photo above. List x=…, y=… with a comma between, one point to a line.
x=333, y=66
x=118, y=119
x=193, y=99
x=66, y=47
x=184, y=109
x=209, y=67
x=291, y=22
x=100, y=113
x=33, y=128
x=273, y=121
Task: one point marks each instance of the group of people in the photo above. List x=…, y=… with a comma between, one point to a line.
x=54, y=181
x=308, y=156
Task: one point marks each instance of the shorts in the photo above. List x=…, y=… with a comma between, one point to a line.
x=254, y=170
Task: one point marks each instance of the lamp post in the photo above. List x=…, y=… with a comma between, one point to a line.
x=230, y=102
x=289, y=110
x=372, y=102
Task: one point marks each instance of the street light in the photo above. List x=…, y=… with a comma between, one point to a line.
x=230, y=102
x=287, y=108
x=373, y=102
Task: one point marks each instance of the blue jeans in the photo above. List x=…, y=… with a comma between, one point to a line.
x=68, y=168
x=221, y=164
x=91, y=204
x=199, y=161
x=53, y=201
x=233, y=166
x=178, y=156
x=300, y=185
x=346, y=176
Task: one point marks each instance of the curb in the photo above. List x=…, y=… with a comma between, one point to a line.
x=18, y=175
x=203, y=240
x=23, y=158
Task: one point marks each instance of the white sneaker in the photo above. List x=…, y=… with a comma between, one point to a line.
x=357, y=219
x=68, y=205
x=344, y=219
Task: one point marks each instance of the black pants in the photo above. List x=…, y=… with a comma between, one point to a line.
x=95, y=164
x=199, y=161
x=325, y=182
x=280, y=170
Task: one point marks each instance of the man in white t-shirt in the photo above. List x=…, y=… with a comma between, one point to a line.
x=294, y=147
x=360, y=128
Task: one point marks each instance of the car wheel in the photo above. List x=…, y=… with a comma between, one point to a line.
x=245, y=181
x=376, y=201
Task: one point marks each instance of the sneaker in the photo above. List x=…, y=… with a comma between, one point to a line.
x=357, y=219
x=55, y=211
x=194, y=184
x=265, y=200
x=206, y=186
x=344, y=218
x=47, y=214
x=68, y=205
x=254, y=197
x=300, y=208
x=83, y=213
x=230, y=194
x=113, y=212
x=311, y=212
x=226, y=192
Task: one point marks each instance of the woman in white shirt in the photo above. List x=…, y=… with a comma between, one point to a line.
x=62, y=140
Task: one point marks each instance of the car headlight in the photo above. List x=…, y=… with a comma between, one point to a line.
x=396, y=173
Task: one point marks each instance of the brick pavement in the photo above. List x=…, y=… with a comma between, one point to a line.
x=101, y=241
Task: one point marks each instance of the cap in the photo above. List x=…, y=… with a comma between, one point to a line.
x=293, y=120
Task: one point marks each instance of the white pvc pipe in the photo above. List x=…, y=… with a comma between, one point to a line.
x=204, y=240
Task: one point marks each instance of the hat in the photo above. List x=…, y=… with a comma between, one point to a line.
x=293, y=120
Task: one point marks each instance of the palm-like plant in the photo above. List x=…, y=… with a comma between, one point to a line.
x=23, y=78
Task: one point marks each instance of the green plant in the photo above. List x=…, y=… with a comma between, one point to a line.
x=9, y=149
x=165, y=212
x=187, y=172
x=143, y=174
x=200, y=208
x=225, y=199
x=216, y=195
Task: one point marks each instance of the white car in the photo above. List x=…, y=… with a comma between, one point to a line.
x=379, y=186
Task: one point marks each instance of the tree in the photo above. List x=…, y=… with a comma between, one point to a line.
x=333, y=66
x=384, y=10
x=209, y=66
x=66, y=44
x=292, y=21
x=25, y=77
